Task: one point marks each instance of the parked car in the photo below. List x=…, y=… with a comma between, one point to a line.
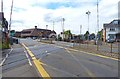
x=117, y=40
x=110, y=40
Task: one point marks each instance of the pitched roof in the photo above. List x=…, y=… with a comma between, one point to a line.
x=114, y=23
x=37, y=32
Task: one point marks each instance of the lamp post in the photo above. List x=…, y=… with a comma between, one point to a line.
x=53, y=25
x=46, y=26
x=97, y=23
x=1, y=5
x=88, y=13
x=11, y=40
x=10, y=17
x=63, y=19
x=80, y=32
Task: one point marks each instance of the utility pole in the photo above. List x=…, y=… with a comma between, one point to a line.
x=97, y=24
x=46, y=26
x=80, y=29
x=11, y=39
x=53, y=25
x=63, y=19
x=10, y=17
x=88, y=13
x=1, y=5
x=80, y=32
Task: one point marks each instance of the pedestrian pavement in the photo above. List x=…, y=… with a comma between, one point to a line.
x=16, y=63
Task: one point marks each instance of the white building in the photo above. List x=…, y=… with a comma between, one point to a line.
x=112, y=30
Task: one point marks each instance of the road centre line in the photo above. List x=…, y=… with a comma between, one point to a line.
x=86, y=69
x=37, y=63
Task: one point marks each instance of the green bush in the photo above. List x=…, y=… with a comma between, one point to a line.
x=5, y=45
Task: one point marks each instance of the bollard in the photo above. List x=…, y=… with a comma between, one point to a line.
x=11, y=41
x=16, y=41
x=111, y=48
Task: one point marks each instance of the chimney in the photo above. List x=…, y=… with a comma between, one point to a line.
x=35, y=27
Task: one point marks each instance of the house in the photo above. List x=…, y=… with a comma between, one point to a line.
x=112, y=30
x=17, y=34
x=38, y=33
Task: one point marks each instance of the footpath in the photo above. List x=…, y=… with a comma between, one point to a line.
x=15, y=63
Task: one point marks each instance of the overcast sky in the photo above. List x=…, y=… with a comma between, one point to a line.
x=28, y=13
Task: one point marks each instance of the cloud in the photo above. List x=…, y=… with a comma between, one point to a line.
x=50, y=18
x=17, y=21
x=28, y=13
x=16, y=9
x=55, y=5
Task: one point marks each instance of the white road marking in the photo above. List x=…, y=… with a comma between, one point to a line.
x=6, y=57
x=28, y=58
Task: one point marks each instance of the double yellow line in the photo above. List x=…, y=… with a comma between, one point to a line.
x=37, y=64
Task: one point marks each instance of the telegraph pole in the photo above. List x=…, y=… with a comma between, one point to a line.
x=80, y=32
x=88, y=13
x=10, y=17
x=80, y=29
x=63, y=19
x=46, y=26
x=11, y=39
x=53, y=25
x=1, y=5
x=97, y=24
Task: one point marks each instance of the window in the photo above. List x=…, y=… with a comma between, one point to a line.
x=111, y=36
x=112, y=29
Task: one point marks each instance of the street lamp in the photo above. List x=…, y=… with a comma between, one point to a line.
x=11, y=40
x=80, y=33
x=97, y=23
x=63, y=19
x=88, y=13
x=1, y=5
x=53, y=25
x=10, y=17
x=46, y=27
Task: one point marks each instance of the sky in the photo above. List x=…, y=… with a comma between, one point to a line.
x=30, y=13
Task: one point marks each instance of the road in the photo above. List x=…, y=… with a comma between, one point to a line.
x=15, y=63
x=60, y=61
x=102, y=48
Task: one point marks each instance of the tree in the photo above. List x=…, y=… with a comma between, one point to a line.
x=92, y=36
x=59, y=38
x=86, y=35
x=100, y=35
x=67, y=34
